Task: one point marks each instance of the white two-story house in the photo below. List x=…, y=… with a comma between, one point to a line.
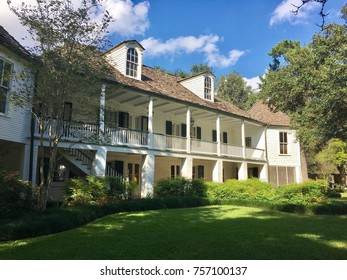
x=144, y=124
x=15, y=142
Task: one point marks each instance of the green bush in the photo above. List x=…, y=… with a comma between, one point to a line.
x=14, y=193
x=252, y=189
x=305, y=193
x=180, y=187
x=89, y=191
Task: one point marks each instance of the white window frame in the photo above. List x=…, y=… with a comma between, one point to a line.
x=208, y=88
x=3, y=87
x=283, y=143
x=132, y=63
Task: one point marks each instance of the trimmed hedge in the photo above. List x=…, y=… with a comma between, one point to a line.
x=20, y=224
x=180, y=187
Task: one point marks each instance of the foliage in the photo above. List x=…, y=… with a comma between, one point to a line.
x=195, y=69
x=334, y=156
x=199, y=68
x=98, y=190
x=234, y=89
x=64, y=36
x=309, y=84
x=298, y=198
x=180, y=187
x=14, y=193
x=86, y=192
x=235, y=189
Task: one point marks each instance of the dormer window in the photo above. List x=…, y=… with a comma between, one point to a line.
x=132, y=62
x=207, y=88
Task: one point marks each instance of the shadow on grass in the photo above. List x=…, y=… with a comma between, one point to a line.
x=214, y=232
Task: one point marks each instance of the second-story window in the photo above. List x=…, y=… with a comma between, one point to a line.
x=5, y=75
x=208, y=88
x=248, y=141
x=132, y=62
x=283, y=143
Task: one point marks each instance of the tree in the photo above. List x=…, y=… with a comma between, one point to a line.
x=199, y=68
x=234, y=89
x=334, y=154
x=322, y=12
x=68, y=45
x=309, y=84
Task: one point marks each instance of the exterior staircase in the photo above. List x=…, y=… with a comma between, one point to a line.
x=82, y=159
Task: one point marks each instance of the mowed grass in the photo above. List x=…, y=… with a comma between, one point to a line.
x=212, y=232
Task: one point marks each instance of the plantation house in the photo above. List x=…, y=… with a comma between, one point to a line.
x=144, y=124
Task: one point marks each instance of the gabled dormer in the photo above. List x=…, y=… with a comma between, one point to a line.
x=127, y=58
x=201, y=84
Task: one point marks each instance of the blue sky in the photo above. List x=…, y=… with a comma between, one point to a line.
x=226, y=34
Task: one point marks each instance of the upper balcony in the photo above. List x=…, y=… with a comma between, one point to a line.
x=91, y=134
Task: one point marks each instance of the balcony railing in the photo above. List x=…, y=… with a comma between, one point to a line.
x=90, y=133
x=73, y=130
x=231, y=150
x=124, y=136
x=253, y=153
x=168, y=142
x=204, y=147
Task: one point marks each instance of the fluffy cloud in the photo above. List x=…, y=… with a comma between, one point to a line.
x=129, y=18
x=284, y=12
x=253, y=82
x=206, y=44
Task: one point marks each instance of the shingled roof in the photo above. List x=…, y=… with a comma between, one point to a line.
x=261, y=112
x=166, y=85
x=11, y=43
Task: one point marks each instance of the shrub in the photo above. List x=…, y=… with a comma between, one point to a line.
x=14, y=193
x=305, y=193
x=90, y=191
x=180, y=187
x=252, y=189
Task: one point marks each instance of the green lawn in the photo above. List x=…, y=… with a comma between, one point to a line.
x=213, y=232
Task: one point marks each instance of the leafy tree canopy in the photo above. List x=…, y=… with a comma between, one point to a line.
x=234, y=89
x=69, y=62
x=334, y=156
x=309, y=83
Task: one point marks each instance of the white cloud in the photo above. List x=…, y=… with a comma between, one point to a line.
x=253, y=82
x=206, y=44
x=129, y=18
x=284, y=12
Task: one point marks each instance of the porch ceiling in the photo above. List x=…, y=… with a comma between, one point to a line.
x=122, y=96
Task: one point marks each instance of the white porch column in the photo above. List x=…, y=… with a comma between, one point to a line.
x=187, y=168
x=188, y=117
x=25, y=162
x=263, y=174
x=217, y=173
x=243, y=139
x=243, y=171
x=150, y=122
x=99, y=163
x=147, y=175
x=34, y=165
x=219, y=149
x=102, y=109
